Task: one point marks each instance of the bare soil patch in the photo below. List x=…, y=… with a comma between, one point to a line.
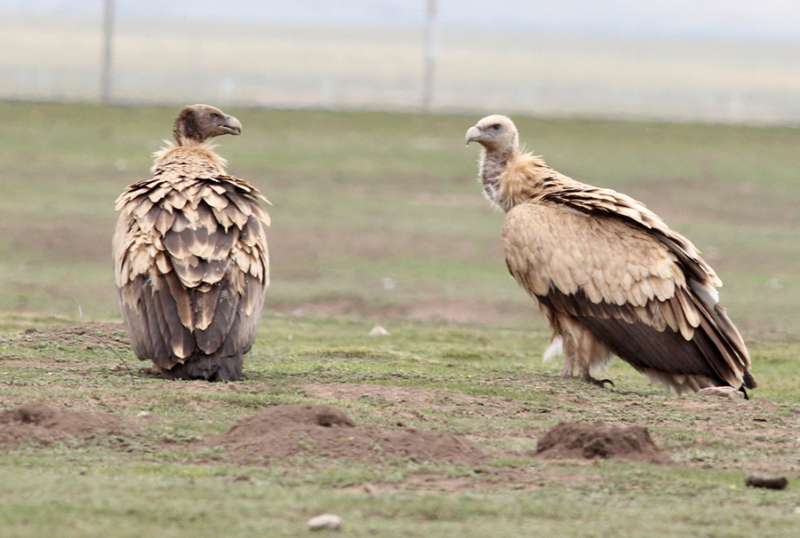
x=450, y=311
x=42, y=424
x=318, y=243
x=289, y=430
x=466, y=311
x=574, y=440
x=417, y=404
x=60, y=239
x=389, y=393
x=86, y=336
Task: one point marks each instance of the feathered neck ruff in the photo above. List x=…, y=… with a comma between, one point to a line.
x=512, y=177
x=187, y=152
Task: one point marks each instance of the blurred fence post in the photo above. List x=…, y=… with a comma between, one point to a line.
x=430, y=56
x=108, y=51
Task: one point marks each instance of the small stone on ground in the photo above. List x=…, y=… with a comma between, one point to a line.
x=325, y=522
x=377, y=330
x=767, y=482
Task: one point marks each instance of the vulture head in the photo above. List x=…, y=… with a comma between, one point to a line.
x=495, y=133
x=201, y=122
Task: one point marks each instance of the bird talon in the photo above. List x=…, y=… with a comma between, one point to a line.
x=599, y=382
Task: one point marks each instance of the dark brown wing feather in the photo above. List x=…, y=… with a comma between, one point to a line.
x=708, y=353
x=224, y=309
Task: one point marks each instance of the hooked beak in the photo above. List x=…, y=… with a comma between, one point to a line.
x=473, y=133
x=232, y=125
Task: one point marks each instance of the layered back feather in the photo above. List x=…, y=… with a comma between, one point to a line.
x=190, y=257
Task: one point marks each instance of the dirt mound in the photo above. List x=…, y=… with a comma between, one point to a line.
x=288, y=430
x=583, y=440
x=86, y=336
x=41, y=424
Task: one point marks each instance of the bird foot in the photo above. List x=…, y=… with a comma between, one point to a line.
x=598, y=382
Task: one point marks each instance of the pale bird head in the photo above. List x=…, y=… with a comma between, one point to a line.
x=495, y=133
x=201, y=122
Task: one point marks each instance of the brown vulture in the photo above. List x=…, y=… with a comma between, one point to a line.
x=190, y=255
x=609, y=275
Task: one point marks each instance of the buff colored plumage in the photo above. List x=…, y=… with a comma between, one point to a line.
x=190, y=255
x=610, y=276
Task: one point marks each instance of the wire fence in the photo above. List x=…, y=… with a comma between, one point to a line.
x=123, y=59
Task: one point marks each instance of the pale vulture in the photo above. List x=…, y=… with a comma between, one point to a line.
x=609, y=275
x=190, y=255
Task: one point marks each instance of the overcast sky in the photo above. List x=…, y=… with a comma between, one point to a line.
x=737, y=19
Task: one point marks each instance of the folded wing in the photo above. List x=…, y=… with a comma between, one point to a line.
x=643, y=290
x=191, y=265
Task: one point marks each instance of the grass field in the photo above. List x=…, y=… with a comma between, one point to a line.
x=377, y=219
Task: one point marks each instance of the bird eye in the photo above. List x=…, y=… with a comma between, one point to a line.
x=216, y=115
x=495, y=127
